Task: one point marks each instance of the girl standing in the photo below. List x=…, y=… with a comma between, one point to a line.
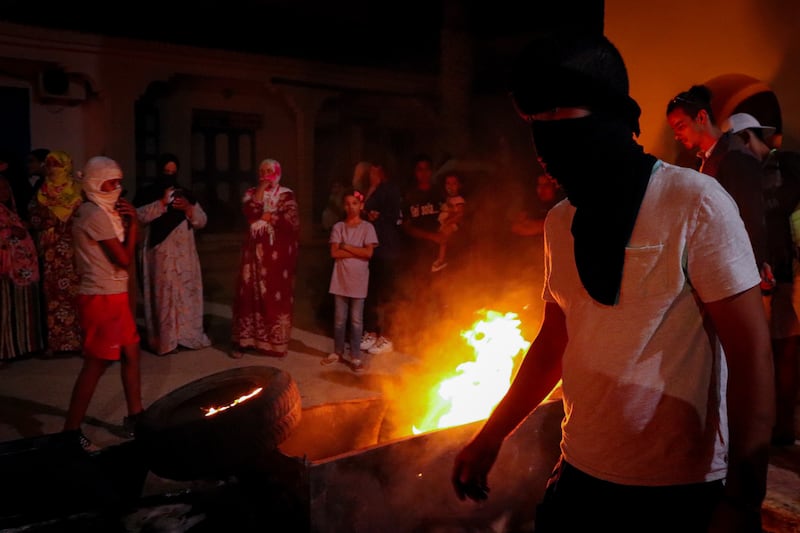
x=352, y=242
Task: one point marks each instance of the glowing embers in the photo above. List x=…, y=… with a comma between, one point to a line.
x=211, y=411
x=479, y=385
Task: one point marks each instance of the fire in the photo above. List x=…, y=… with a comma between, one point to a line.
x=479, y=385
x=211, y=411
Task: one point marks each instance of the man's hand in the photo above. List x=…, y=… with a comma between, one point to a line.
x=471, y=468
x=125, y=208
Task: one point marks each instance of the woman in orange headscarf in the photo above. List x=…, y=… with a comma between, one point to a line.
x=50, y=214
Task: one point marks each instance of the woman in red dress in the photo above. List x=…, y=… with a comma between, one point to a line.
x=262, y=309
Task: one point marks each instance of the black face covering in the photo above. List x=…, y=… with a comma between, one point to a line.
x=604, y=174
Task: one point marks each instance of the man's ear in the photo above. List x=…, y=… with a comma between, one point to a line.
x=702, y=117
x=745, y=136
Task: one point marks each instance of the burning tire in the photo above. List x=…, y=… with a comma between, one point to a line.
x=254, y=410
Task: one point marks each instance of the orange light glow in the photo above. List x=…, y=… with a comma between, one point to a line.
x=479, y=385
x=211, y=411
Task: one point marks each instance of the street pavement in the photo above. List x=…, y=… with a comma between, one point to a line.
x=34, y=393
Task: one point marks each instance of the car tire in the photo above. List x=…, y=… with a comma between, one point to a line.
x=181, y=443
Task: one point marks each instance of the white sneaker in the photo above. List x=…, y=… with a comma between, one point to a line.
x=382, y=345
x=368, y=341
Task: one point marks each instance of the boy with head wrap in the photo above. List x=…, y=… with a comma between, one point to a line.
x=653, y=321
x=104, y=232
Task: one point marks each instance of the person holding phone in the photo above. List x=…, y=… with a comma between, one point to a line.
x=171, y=275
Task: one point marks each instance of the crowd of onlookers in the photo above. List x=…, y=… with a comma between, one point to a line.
x=38, y=278
x=39, y=203
x=389, y=244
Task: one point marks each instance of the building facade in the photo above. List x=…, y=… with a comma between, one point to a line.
x=220, y=112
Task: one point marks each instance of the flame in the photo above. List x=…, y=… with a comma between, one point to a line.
x=211, y=411
x=479, y=385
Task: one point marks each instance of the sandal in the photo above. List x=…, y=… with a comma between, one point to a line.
x=332, y=358
x=358, y=366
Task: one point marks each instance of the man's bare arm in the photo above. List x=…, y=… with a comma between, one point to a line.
x=741, y=324
x=538, y=374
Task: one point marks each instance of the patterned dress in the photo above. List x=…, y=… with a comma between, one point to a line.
x=173, y=284
x=264, y=300
x=59, y=278
x=20, y=326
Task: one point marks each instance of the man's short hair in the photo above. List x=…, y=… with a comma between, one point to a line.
x=691, y=102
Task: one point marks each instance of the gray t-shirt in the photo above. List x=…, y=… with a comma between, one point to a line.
x=97, y=273
x=350, y=276
x=648, y=374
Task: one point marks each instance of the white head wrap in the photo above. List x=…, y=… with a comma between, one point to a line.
x=272, y=170
x=98, y=170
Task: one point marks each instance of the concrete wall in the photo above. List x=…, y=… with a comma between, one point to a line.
x=670, y=45
x=113, y=74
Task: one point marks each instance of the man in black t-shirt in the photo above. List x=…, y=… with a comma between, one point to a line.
x=420, y=211
x=421, y=205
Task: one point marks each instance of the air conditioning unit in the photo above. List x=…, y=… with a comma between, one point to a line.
x=54, y=86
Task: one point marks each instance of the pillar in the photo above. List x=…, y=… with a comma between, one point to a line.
x=306, y=103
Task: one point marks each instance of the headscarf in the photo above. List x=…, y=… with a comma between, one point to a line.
x=273, y=170
x=163, y=226
x=59, y=191
x=18, y=258
x=272, y=194
x=98, y=170
x=270, y=198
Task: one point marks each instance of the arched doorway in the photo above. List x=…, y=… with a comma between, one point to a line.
x=740, y=93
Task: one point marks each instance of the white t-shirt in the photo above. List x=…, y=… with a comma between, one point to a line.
x=643, y=382
x=98, y=275
x=350, y=276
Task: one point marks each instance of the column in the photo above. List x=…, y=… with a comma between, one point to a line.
x=305, y=102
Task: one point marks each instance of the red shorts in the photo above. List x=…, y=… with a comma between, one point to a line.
x=107, y=325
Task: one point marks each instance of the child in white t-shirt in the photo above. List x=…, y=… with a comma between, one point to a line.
x=352, y=241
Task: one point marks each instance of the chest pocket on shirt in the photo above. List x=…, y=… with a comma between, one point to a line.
x=646, y=272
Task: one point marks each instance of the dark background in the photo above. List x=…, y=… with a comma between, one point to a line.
x=401, y=35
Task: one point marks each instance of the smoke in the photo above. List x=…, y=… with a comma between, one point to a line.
x=489, y=268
